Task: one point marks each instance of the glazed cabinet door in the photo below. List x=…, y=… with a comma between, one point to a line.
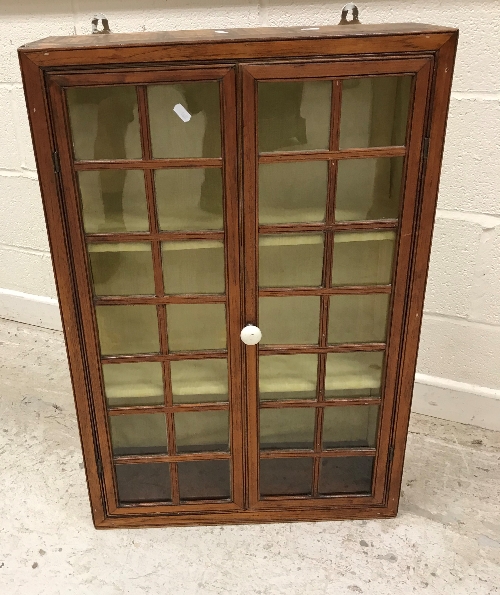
x=149, y=176
x=332, y=152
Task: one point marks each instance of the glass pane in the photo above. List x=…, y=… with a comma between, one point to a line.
x=292, y=192
x=199, y=380
x=368, y=188
x=288, y=376
x=193, y=266
x=127, y=329
x=148, y=482
x=348, y=427
x=358, y=318
x=104, y=122
x=353, y=374
x=199, y=431
x=289, y=320
x=204, y=480
x=290, y=260
x=374, y=111
x=185, y=120
x=189, y=199
x=294, y=116
x=113, y=200
x=122, y=269
x=194, y=327
x=287, y=428
x=133, y=384
x=341, y=475
x=138, y=434
x=363, y=257
x=287, y=477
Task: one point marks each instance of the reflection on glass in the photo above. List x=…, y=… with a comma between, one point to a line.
x=349, y=427
x=290, y=260
x=353, y=374
x=104, y=122
x=204, y=480
x=363, y=257
x=122, y=269
x=133, y=384
x=294, y=116
x=292, y=192
x=113, y=200
x=185, y=119
x=127, y=329
x=143, y=482
x=346, y=475
x=286, y=477
x=289, y=320
x=200, y=431
x=358, y=318
x=189, y=198
x=283, y=377
x=199, y=380
x=287, y=428
x=138, y=434
x=193, y=327
x=374, y=111
x=193, y=266
x=368, y=188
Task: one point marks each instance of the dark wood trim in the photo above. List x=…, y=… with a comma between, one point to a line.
x=110, y=300
x=338, y=452
x=41, y=126
x=344, y=226
x=292, y=156
x=160, y=236
x=166, y=47
x=148, y=163
x=427, y=191
x=342, y=402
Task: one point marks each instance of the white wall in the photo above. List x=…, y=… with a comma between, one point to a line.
x=459, y=363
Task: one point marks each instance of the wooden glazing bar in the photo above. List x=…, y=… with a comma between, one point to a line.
x=327, y=278
x=216, y=406
x=158, y=357
x=325, y=291
x=167, y=299
x=148, y=163
x=342, y=402
x=338, y=452
x=340, y=348
x=154, y=227
x=373, y=225
x=160, y=236
x=290, y=156
x=194, y=456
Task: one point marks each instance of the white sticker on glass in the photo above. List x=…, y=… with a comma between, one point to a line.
x=182, y=112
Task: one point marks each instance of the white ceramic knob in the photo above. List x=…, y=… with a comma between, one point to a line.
x=251, y=335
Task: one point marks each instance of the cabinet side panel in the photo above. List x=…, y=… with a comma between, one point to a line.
x=39, y=117
x=424, y=223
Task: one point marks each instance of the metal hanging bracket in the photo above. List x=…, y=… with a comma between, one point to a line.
x=345, y=11
x=95, y=22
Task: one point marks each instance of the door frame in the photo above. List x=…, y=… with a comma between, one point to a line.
x=250, y=74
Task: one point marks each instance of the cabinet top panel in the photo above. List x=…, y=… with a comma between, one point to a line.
x=225, y=35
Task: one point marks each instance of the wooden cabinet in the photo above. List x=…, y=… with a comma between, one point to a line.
x=198, y=182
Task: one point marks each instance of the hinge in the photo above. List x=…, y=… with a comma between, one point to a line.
x=99, y=467
x=425, y=147
x=55, y=159
x=391, y=453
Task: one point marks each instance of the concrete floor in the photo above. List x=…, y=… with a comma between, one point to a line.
x=446, y=539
